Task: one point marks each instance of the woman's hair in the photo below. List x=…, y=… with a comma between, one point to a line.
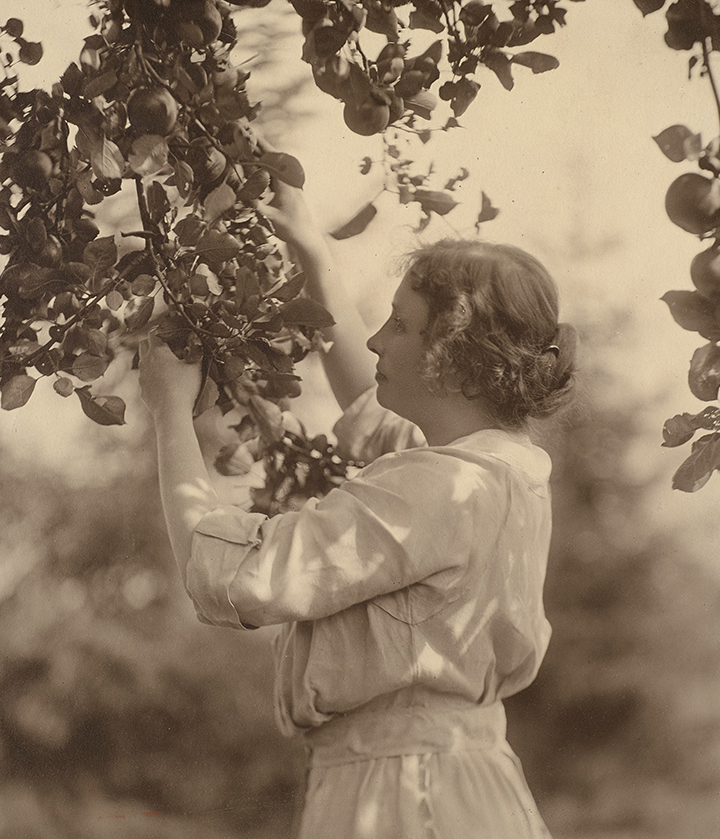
x=493, y=328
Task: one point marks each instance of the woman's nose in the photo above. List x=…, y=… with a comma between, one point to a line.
x=372, y=343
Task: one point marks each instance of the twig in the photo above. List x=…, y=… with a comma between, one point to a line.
x=711, y=77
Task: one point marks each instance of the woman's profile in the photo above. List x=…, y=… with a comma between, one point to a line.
x=410, y=597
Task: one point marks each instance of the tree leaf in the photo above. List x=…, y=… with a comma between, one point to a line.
x=673, y=142
x=290, y=289
x=421, y=20
x=464, y=92
x=100, y=256
x=184, y=177
x=283, y=386
x=138, y=313
x=357, y=223
x=696, y=470
x=435, y=201
x=158, y=202
x=284, y=167
x=149, y=154
x=89, y=194
x=693, y=312
x=207, y=397
x=93, y=340
x=538, y=62
x=189, y=231
x=99, y=85
x=114, y=300
x=422, y=103
x=678, y=430
x=107, y=160
x=40, y=281
x=214, y=246
x=302, y=311
x=487, y=211
x=143, y=285
x=88, y=367
x=647, y=7
x=221, y=199
x=104, y=410
x=704, y=374
x=247, y=290
x=17, y=391
x=501, y=65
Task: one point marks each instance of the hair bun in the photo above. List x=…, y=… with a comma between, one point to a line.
x=566, y=340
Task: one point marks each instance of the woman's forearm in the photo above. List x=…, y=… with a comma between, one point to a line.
x=185, y=487
x=348, y=364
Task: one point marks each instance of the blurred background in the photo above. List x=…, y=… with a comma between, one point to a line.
x=121, y=716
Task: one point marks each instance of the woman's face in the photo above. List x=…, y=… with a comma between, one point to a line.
x=400, y=348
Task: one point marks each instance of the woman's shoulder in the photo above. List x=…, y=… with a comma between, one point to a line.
x=431, y=479
x=482, y=454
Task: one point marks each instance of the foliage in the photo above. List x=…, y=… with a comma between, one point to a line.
x=155, y=104
x=403, y=84
x=693, y=203
x=153, y=101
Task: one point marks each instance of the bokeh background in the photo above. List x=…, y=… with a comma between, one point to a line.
x=121, y=716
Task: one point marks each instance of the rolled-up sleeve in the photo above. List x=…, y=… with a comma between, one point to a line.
x=399, y=522
x=213, y=567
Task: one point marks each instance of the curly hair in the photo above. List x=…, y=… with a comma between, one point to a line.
x=493, y=328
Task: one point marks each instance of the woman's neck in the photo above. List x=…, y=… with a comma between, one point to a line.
x=451, y=416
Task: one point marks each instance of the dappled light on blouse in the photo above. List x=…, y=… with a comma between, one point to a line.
x=412, y=571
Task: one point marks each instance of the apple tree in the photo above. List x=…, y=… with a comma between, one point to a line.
x=156, y=108
x=692, y=202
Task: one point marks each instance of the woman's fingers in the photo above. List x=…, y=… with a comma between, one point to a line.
x=263, y=143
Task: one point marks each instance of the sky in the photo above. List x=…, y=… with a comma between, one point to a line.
x=567, y=156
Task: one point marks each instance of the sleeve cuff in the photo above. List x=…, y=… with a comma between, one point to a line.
x=222, y=541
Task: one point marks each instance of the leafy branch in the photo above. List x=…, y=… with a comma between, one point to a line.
x=693, y=203
x=154, y=99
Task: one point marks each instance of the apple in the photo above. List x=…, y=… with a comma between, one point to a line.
x=152, y=110
x=705, y=272
x=693, y=202
x=32, y=168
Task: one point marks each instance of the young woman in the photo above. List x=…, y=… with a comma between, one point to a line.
x=410, y=598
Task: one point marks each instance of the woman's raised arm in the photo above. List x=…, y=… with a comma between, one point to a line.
x=349, y=365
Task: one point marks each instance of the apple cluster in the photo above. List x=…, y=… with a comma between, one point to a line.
x=397, y=86
x=153, y=105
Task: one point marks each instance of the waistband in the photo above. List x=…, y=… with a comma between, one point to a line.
x=389, y=732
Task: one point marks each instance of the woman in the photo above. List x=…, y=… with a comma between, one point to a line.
x=410, y=597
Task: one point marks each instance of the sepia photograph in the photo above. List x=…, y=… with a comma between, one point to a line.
x=359, y=419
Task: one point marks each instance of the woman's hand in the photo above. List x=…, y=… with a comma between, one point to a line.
x=291, y=217
x=166, y=382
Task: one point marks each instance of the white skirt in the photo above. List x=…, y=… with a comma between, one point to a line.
x=440, y=772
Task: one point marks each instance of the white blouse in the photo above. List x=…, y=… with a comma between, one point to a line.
x=422, y=573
